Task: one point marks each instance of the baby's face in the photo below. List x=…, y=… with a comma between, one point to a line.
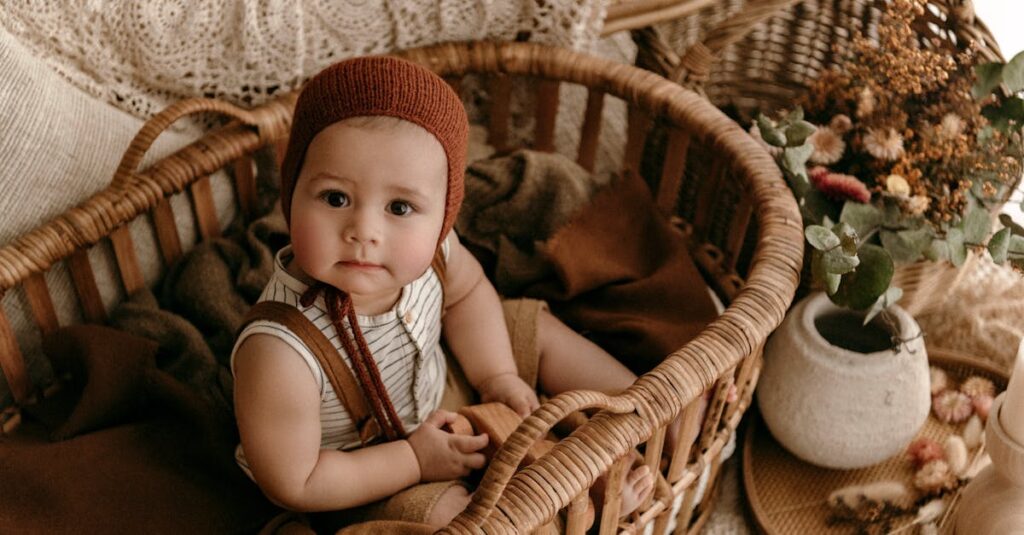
x=368, y=207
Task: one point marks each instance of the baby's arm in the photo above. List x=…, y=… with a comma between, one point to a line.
x=277, y=405
x=474, y=327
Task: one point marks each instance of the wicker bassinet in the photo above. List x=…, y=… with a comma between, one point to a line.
x=748, y=56
x=726, y=353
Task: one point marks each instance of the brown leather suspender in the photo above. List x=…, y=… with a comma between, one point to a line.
x=338, y=373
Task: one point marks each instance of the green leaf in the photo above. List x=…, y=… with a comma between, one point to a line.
x=795, y=158
x=937, y=251
x=1012, y=109
x=796, y=115
x=816, y=207
x=864, y=218
x=999, y=245
x=989, y=76
x=847, y=237
x=829, y=280
x=798, y=132
x=1013, y=73
x=821, y=238
x=886, y=300
x=769, y=133
x=976, y=225
x=838, y=262
x=1016, y=244
x=1009, y=223
x=906, y=246
x=861, y=288
x=957, y=250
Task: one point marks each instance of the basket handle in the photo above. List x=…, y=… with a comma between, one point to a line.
x=161, y=121
x=504, y=464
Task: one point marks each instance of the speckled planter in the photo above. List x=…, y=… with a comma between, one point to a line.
x=834, y=394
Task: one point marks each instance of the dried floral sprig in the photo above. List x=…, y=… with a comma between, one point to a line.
x=903, y=117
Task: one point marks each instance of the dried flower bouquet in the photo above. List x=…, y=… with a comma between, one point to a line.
x=902, y=154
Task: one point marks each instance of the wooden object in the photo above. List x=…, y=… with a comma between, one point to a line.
x=993, y=502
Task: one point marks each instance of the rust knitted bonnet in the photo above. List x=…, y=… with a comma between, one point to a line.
x=380, y=85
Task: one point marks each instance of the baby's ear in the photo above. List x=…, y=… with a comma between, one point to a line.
x=111, y=364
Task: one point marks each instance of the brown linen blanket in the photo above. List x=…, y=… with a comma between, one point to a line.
x=607, y=262
x=144, y=453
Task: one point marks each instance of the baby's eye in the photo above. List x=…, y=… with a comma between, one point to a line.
x=335, y=198
x=400, y=208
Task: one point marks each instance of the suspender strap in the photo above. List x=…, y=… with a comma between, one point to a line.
x=338, y=373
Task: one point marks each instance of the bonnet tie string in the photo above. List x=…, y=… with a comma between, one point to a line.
x=339, y=307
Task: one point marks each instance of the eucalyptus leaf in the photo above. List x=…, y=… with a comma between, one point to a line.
x=815, y=206
x=864, y=218
x=861, y=288
x=829, y=280
x=821, y=238
x=796, y=115
x=937, y=251
x=886, y=300
x=1016, y=245
x=1013, y=73
x=906, y=246
x=1009, y=223
x=999, y=245
x=847, y=237
x=989, y=76
x=798, y=132
x=769, y=132
x=795, y=158
x=1000, y=117
x=838, y=262
x=976, y=225
x=957, y=250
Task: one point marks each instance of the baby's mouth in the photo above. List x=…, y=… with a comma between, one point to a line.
x=357, y=264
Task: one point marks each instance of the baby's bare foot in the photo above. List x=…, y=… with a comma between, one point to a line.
x=637, y=486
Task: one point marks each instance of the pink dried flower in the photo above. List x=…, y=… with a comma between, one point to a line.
x=934, y=477
x=924, y=450
x=951, y=126
x=952, y=407
x=865, y=102
x=939, y=379
x=976, y=386
x=982, y=405
x=840, y=187
x=828, y=146
x=884, y=144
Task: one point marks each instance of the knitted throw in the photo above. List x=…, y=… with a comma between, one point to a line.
x=141, y=55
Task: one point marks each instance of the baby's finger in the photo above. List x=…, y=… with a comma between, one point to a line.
x=475, y=461
x=439, y=418
x=470, y=444
x=521, y=406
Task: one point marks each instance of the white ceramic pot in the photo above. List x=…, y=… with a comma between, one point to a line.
x=834, y=393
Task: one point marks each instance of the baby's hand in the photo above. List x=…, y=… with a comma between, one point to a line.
x=441, y=455
x=509, y=389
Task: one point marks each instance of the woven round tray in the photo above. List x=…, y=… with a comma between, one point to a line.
x=787, y=495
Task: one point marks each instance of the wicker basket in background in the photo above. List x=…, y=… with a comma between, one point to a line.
x=750, y=56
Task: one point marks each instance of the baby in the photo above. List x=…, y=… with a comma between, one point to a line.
x=371, y=184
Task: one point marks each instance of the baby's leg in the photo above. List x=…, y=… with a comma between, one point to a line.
x=448, y=506
x=568, y=361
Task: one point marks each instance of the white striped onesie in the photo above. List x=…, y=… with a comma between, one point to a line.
x=404, y=342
